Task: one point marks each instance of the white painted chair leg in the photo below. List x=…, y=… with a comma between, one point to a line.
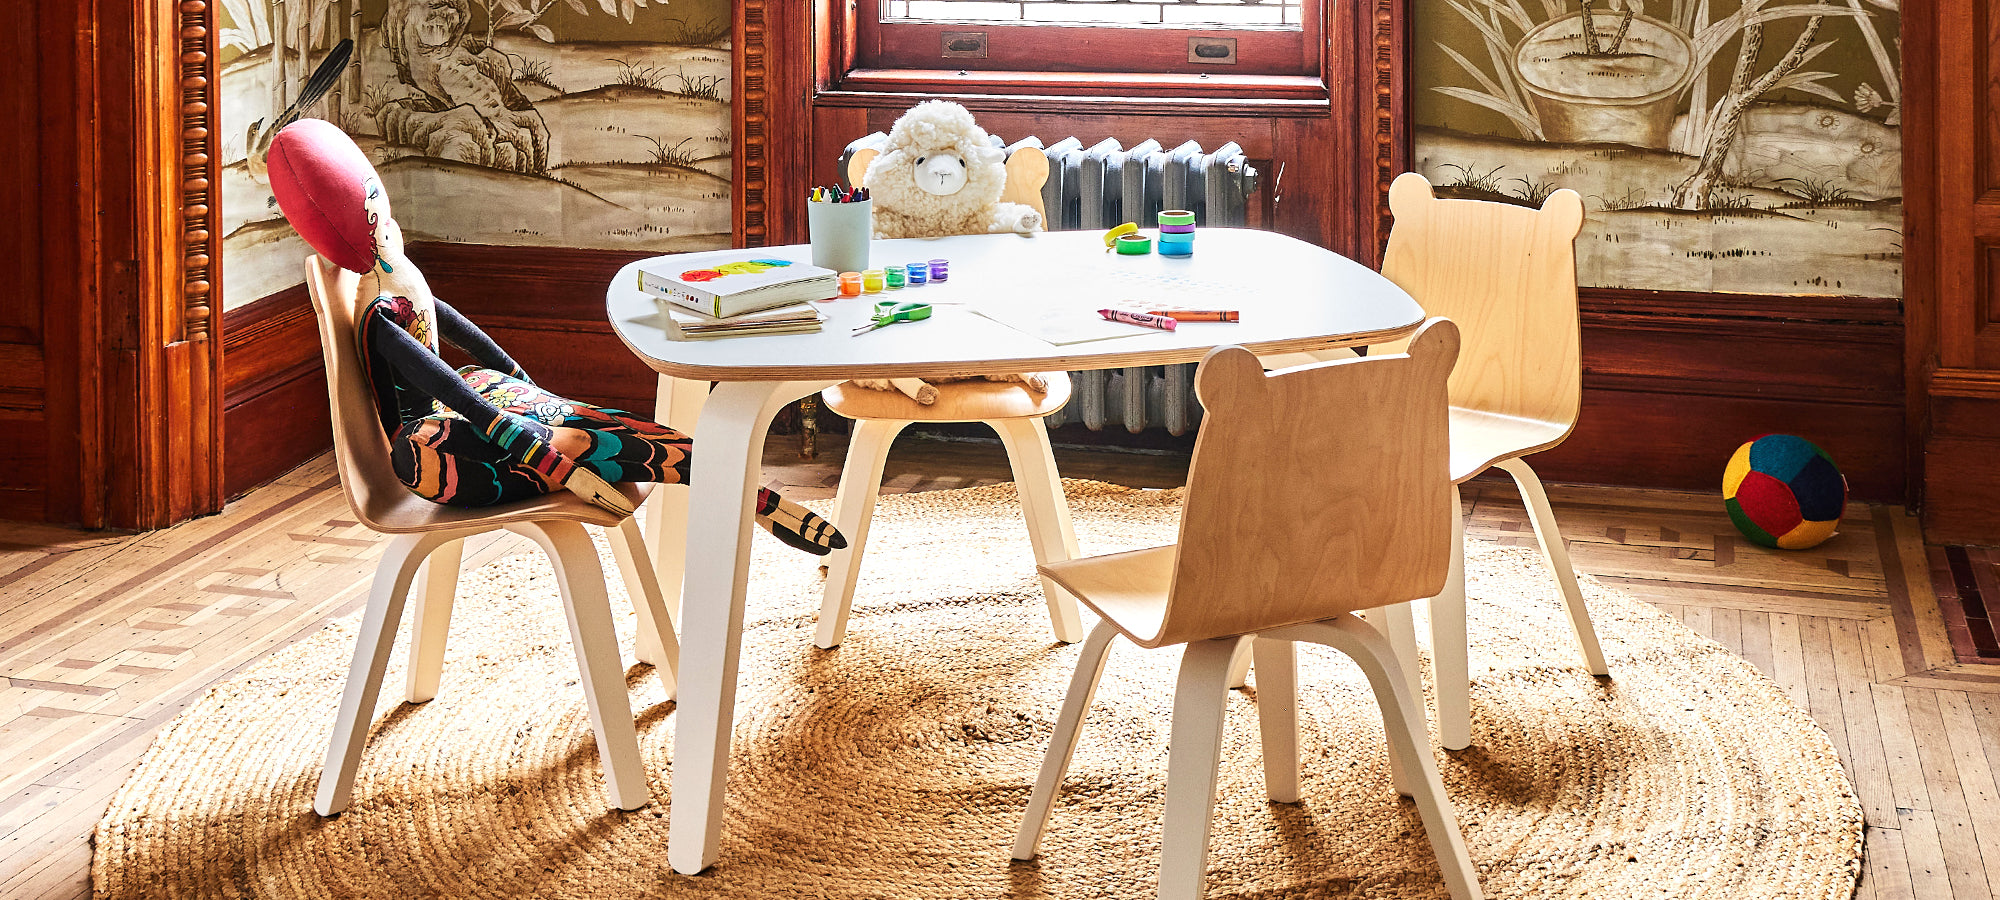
x=853, y=509
x=1201, y=701
x=432, y=622
x=1076, y=705
x=400, y=561
x=1451, y=667
x=1278, y=717
x=1239, y=668
x=677, y=406
x=1049, y=528
x=587, y=605
x=655, y=643
x=1555, y=552
x=1403, y=720
x=1398, y=625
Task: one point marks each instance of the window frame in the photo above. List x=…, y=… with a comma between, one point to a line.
x=1131, y=54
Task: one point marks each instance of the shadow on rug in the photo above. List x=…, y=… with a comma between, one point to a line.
x=898, y=765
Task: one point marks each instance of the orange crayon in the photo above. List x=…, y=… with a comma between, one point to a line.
x=1196, y=315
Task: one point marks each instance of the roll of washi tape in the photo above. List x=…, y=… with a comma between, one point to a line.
x=1168, y=237
x=1134, y=245
x=1176, y=217
x=893, y=278
x=940, y=269
x=918, y=273
x=850, y=284
x=872, y=281
x=1177, y=229
x=1111, y=237
x=1176, y=250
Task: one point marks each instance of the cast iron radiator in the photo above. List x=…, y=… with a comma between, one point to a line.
x=1099, y=186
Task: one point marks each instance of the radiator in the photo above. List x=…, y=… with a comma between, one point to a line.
x=1099, y=186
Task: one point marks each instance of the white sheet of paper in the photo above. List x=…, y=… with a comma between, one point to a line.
x=1058, y=324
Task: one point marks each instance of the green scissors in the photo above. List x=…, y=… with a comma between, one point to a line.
x=889, y=312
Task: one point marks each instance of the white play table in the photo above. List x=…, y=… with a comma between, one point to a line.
x=1294, y=297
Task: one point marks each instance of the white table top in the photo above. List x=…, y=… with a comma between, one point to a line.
x=1293, y=296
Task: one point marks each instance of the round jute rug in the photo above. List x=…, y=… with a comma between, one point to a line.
x=897, y=766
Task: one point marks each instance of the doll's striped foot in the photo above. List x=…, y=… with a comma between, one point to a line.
x=796, y=525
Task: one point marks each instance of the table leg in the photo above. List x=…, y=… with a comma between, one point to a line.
x=678, y=407
x=726, y=465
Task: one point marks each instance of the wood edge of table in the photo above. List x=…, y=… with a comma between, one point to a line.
x=1001, y=367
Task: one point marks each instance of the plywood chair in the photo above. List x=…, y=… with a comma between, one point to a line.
x=1009, y=408
x=1314, y=493
x=1507, y=275
x=431, y=536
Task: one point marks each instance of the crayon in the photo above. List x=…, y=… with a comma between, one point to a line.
x=1131, y=318
x=1197, y=315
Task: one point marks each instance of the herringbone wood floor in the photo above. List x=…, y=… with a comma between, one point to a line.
x=104, y=638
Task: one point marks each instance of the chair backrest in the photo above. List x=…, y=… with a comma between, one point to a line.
x=1314, y=491
x=1507, y=275
x=360, y=450
x=1027, y=171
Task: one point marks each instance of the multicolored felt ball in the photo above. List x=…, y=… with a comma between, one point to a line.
x=1783, y=491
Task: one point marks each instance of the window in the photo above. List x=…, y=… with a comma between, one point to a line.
x=1218, y=38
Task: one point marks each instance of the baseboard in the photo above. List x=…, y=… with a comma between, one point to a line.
x=1962, y=459
x=1673, y=382
x=274, y=409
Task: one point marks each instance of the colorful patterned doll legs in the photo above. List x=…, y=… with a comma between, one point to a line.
x=445, y=459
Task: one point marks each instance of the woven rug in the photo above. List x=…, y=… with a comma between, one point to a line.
x=898, y=765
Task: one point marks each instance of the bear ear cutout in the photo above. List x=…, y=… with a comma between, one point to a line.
x=1229, y=374
x=1409, y=194
x=1435, y=343
x=1564, y=212
x=857, y=167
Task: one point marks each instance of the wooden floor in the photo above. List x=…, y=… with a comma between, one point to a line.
x=104, y=639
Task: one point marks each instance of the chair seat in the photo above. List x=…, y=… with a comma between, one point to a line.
x=402, y=512
x=957, y=401
x=1128, y=589
x=1479, y=439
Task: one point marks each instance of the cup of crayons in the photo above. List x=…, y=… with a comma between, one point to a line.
x=839, y=224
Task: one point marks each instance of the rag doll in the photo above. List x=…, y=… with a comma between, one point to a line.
x=485, y=434
x=939, y=174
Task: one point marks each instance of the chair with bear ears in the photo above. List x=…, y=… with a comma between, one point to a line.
x=1009, y=408
x=1256, y=566
x=431, y=536
x=1507, y=275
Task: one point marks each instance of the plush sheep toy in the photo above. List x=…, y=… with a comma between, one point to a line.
x=939, y=174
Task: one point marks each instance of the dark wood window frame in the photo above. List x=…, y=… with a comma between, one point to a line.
x=1045, y=47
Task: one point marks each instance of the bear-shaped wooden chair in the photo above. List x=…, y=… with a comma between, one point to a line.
x=431, y=536
x=1507, y=275
x=1010, y=408
x=1315, y=493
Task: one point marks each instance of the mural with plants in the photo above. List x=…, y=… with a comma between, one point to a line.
x=579, y=123
x=1720, y=145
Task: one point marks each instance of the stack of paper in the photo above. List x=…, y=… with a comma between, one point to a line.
x=687, y=325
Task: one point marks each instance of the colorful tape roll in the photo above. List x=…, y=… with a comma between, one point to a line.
x=872, y=281
x=1134, y=245
x=918, y=273
x=1176, y=217
x=1177, y=229
x=1111, y=237
x=1168, y=237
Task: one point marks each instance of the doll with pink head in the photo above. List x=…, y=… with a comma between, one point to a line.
x=485, y=434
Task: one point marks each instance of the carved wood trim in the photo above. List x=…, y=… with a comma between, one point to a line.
x=752, y=119
x=200, y=170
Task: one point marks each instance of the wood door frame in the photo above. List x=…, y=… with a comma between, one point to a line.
x=140, y=410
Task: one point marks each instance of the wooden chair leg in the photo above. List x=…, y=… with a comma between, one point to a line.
x=1049, y=527
x=587, y=605
x=1278, y=718
x=678, y=407
x=1398, y=625
x=1076, y=705
x=1555, y=552
x=1451, y=667
x=432, y=622
x=655, y=643
x=1403, y=720
x=853, y=508
x=372, y=644
x=1201, y=701
x=1239, y=668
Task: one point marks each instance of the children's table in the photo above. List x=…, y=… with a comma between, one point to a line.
x=1294, y=297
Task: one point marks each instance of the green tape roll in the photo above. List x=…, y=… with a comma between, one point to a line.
x=1177, y=217
x=1134, y=245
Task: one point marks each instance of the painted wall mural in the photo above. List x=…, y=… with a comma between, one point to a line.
x=1720, y=145
x=576, y=123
